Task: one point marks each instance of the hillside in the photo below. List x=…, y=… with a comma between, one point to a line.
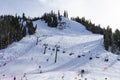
x=79, y=49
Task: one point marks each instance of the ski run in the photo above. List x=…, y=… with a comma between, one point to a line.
x=52, y=54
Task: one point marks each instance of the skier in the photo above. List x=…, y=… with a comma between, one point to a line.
x=105, y=78
x=39, y=66
x=24, y=75
x=82, y=72
x=14, y=78
x=40, y=69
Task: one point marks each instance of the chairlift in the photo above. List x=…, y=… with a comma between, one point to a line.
x=45, y=44
x=47, y=60
x=58, y=49
x=63, y=51
x=118, y=59
x=71, y=54
x=49, y=48
x=83, y=55
x=4, y=64
x=78, y=56
x=90, y=58
x=106, y=60
x=97, y=57
x=53, y=49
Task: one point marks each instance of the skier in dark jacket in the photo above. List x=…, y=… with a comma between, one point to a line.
x=82, y=72
x=14, y=78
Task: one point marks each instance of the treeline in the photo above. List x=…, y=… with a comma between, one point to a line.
x=89, y=25
x=111, y=39
x=54, y=20
x=14, y=28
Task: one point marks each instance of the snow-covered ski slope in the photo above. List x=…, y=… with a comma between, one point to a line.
x=79, y=50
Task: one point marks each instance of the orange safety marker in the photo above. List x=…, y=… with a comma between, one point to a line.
x=105, y=68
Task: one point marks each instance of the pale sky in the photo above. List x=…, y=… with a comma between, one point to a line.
x=104, y=12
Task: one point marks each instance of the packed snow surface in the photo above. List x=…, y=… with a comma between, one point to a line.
x=79, y=50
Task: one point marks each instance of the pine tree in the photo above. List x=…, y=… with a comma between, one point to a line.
x=23, y=16
x=59, y=16
x=65, y=14
x=108, y=38
x=51, y=19
x=116, y=39
x=24, y=32
x=11, y=29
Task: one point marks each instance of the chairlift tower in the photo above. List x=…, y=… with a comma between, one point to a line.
x=57, y=49
x=45, y=47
